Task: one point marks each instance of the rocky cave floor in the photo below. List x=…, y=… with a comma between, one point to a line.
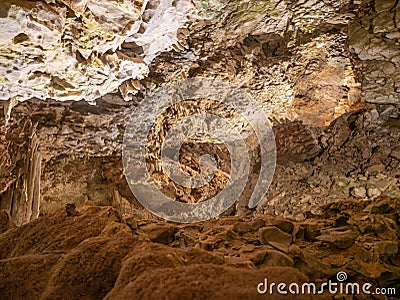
x=95, y=253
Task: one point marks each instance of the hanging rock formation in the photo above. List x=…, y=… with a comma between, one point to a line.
x=20, y=172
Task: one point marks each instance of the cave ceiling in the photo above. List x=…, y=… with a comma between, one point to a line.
x=308, y=60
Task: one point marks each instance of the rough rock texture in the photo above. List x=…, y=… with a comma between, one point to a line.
x=97, y=254
x=277, y=48
x=374, y=42
x=291, y=56
x=354, y=156
x=315, y=165
x=6, y=221
x=82, y=49
x=79, y=159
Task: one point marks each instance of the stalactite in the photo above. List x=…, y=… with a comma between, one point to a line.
x=21, y=194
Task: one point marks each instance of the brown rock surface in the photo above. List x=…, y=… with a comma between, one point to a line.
x=97, y=254
x=6, y=221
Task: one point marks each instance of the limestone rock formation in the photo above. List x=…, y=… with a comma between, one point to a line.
x=82, y=49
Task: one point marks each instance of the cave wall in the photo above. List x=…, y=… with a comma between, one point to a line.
x=312, y=66
x=374, y=44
